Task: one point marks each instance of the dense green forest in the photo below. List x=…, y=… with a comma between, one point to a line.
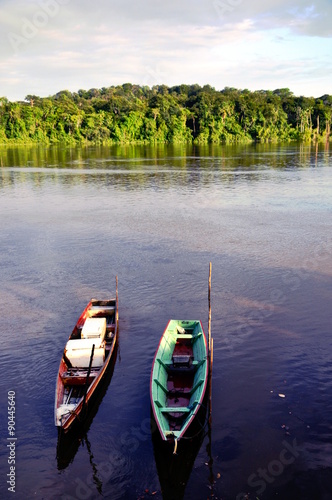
x=186, y=113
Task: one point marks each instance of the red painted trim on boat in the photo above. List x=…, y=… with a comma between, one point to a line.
x=66, y=424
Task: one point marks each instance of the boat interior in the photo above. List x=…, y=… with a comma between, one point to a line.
x=179, y=378
x=93, y=337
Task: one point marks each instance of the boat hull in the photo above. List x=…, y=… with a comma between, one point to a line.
x=85, y=360
x=179, y=377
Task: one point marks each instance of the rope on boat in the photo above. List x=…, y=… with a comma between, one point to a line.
x=175, y=446
x=203, y=426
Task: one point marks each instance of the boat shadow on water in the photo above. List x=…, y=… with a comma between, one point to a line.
x=70, y=441
x=174, y=469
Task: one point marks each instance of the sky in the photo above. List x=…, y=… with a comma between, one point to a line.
x=52, y=45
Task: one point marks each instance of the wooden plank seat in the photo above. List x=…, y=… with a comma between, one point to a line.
x=175, y=409
x=77, y=376
x=171, y=367
x=101, y=310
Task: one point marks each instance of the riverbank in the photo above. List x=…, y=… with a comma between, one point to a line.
x=184, y=114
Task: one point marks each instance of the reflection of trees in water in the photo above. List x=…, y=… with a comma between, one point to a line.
x=162, y=166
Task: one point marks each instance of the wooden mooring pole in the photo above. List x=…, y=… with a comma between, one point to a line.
x=117, y=305
x=210, y=345
x=209, y=327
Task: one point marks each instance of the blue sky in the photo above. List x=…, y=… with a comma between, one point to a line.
x=52, y=45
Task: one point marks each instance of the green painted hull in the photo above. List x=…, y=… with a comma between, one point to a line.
x=179, y=377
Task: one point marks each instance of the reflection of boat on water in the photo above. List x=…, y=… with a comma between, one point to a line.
x=69, y=442
x=181, y=373
x=179, y=378
x=174, y=470
x=85, y=360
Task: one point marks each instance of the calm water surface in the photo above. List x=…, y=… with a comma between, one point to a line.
x=73, y=219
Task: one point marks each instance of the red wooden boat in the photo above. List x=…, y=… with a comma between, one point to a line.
x=85, y=359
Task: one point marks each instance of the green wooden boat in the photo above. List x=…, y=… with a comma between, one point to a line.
x=179, y=377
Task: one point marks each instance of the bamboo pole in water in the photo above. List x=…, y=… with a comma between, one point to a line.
x=117, y=306
x=209, y=445
x=209, y=327
x=210, y=347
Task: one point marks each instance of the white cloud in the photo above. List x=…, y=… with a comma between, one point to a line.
x=83, y=44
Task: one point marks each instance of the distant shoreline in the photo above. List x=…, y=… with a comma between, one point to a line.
x=17, y=143
x=185, y=114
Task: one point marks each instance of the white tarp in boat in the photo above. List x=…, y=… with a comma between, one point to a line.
x=94, y=328
x=78, y=352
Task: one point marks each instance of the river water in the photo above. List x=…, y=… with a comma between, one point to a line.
x=74, y=218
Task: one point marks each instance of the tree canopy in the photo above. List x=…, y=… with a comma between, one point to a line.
x=131, y=113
